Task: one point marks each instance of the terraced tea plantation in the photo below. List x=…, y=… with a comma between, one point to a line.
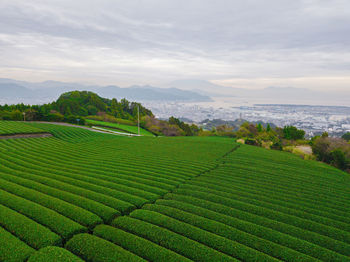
x=86, y=196
x=12, y=127
x=119, y=127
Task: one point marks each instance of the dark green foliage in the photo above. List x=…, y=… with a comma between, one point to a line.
x=32, y=233
x=13, y=249
x=339, y=159
x=346, y=136
x=92, y=248
x=75, y=213
x=74, y=105
x=334, y=151
x=85, y=103
x=163, y=237
x=292, y=133
x=44, y=216
x=268, y=128
x=53, y=254
x=75, y=119
x=196, y=216
x=227, y=201
x=187, y=129
x=258, y=226
x=276, y=145
x=137, y=245
x=222, y=244
x=252, y=142
x=11, y=127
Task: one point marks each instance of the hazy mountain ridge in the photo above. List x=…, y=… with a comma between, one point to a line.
x=25, y=91
x=272, y=94
x=192, y=90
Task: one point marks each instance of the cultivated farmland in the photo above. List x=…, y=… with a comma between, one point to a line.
x=12, y=127
x=119, y=127
x=82, y=195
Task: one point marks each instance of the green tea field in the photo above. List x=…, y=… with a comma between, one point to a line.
x=119, y=127
x=12, y=127
x=86, y=196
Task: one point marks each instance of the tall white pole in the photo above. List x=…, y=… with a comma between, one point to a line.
x=138, y=119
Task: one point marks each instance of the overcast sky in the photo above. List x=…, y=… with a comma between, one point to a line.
x=247, y=43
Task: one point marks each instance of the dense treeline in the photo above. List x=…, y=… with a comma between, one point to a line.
x=74, y=105
x=331, y=150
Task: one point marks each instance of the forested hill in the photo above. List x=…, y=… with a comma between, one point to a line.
x=84, y=103
x=75, y=104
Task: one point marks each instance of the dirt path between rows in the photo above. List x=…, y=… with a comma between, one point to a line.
x=25, y=136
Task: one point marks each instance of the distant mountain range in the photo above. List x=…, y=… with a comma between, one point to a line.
x=13, y=91
x=272, y=94
x=188, y=90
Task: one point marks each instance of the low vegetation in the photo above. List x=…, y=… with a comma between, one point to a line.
x=87, y=196
x=119, y=127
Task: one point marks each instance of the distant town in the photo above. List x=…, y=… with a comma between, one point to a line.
x=313, y=119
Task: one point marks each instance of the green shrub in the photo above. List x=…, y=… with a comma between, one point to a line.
x=13, y=249
x=75, y=213
x=53, y=254
x=105, y=212
x=44, y=216
x=183, y=212
x=32, y=233
x=92, y=248
x=304, y=241
x=137, y=245
x=329, y=235
x=222, y=244
x=175, y=242
x=339, y=159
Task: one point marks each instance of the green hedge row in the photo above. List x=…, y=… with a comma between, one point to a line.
x=84, y=181
x=64, y=208
x=57, y=223
x=283, y=234
x=229, y=232
x=170, y=240
x=13, y=249
x=166, y=170
x=222, y=244
x=53, y=254
x=32, y=233
x=289, y=197
x=326, y=236
x=273, y=180
x=281, y=206
x=99, y=176
x=298, y=179
x=45, y=176
x=34, y=182
x=137, y=245
x=92, y=248
x=13, y=127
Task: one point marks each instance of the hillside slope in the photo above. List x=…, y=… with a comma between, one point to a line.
x=106, y=198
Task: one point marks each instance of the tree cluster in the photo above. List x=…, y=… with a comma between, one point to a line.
x=73, y=107
x=334, y=151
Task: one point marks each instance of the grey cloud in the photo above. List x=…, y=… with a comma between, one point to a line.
x=157, y=40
